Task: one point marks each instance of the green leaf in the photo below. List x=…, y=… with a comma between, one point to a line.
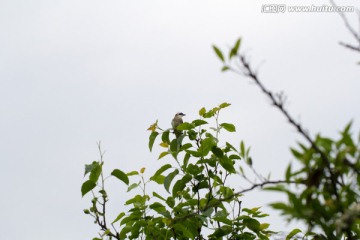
x=228, y=145
x=233, y=156
x=192, y=135
x=165, y=137
x=125, y=230
x=296, y=154
x=194, y=153
x=89, y=167
x=293, y=233
x=87, y=187
x=225, y=68
x=251, y=211
x=120, y=175
x=209, y=114
x=208, y=212
x=235, y=49
x=223, y=231
x=185, y=230
x=325, y=143
x=170, y=201
x=106, y=232
x=118, y=217
x=217, y=180
x=206, y=146
x=137, y=200
x=158, y=196
x=249, y=161
x=223, y=219
x=252, y=224
x=242, y=149
x=217, y=151
x=227, y=192
x=224, y=105
x=194, y=169
x=221, y=213
x=159, y=208
x=153, y=126
x=135, y=230
x=181, y=184
x=185, y=126
x=347, y=128
x=132, y=186
x=186, y=160
x=288, y=173
x=202, y=111
x=215, y=110
x=152, y=138
x=169, y=178
x=228, y=126
x=162, y=169
x=159, y=179
x=219, y=53
x=163, y=154
x=279, y=206
x=156, y=205
x=186, y=146
x=227, y=164
x=174, y=145
x=199, y=122
x=132, y=173
x=95, y=172
x=264, y=226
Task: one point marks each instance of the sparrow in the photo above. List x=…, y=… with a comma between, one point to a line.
x=177, y=120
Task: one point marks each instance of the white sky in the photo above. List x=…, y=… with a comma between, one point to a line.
x=76, y=72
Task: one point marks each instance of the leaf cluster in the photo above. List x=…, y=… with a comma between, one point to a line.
x=317, y=201
x=326, y=195
x=198, y=202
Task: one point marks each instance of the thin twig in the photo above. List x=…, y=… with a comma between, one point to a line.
x=346, y=22
x=350, y=29
x=259, y=185
x=102, y=223
x=351, y=47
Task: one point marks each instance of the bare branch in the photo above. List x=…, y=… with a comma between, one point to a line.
x=353, y=32
x=347, y=24
x=279, y=104
x=264, y=184
x=350, y=46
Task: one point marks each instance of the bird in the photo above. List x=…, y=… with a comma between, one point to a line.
x=177, y=120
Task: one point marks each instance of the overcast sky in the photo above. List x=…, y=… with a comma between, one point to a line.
x=76, y=72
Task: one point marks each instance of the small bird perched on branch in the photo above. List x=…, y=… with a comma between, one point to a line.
x=177, y=120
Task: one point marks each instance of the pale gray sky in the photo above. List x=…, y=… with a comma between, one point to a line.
x=76, y=72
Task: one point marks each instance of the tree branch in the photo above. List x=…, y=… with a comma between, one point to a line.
x=351, y=47
x=279, y=104
x=355, y=34
x=259, y=185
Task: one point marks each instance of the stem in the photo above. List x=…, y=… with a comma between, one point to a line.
x=102, y=223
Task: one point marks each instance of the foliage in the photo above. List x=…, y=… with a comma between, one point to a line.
x=329, y=193
x=198, y=202
x=324, y=192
